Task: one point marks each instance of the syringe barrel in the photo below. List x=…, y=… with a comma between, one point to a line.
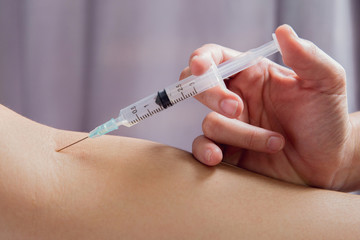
x=171, y=95
x=185, y=88
x=247, y=59
x=139, y=111
x=194, y=85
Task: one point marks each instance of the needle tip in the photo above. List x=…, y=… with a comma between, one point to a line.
x=60, y=149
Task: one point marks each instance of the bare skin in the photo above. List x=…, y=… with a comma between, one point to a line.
x=123, y=188
x=289, y=124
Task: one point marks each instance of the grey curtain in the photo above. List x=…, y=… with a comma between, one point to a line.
x=72, y=64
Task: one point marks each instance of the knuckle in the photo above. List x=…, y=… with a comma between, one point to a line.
x=313, y=49
x=341, y=76
x=209, y=45
x=250, y=140
x=341, y=73
x=206, y=48
x=210, y=125
x=338, y=76
x=184, y=73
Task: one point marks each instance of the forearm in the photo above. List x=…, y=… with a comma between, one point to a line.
x=112, y=187
x=126, y=188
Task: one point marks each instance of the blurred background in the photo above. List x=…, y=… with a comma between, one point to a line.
x=73, y=64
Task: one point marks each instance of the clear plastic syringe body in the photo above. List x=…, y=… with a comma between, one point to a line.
x=161, y=100
x=184, y=89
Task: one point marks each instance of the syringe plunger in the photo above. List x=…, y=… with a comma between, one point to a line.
x=184, y=89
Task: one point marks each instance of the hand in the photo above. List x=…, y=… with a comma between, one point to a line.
x=291, y=125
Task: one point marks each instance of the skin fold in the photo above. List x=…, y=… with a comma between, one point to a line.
x=123, y=188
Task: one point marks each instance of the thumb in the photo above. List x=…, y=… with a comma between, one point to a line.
x=315, y=68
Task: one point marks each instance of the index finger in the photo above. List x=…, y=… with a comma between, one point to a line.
x=217, y=98
x=201, y=59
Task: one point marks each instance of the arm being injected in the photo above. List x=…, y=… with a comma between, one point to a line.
x=182, y=90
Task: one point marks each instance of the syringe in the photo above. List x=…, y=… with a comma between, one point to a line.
x=182, y=90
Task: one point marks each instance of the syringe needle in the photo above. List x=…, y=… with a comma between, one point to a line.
x=179, y=91
x=58, y=150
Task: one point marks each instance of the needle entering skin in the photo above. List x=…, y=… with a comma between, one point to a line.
x=58, y=150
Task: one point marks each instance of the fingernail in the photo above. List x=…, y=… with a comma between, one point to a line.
x=275, y=143
x=194, y=57
x=201, y=56
x=229, y=106
x=208, y=155
x=292, y=31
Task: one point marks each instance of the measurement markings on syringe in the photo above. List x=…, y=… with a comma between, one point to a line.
x=162, y=100
x=184, y=89
x=184, y=96
x=146, y=115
